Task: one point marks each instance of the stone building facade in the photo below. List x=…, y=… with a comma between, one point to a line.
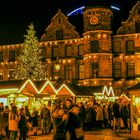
x=98, y=58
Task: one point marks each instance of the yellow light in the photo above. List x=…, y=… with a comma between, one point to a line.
x=99, y=35
x=85, y=83
x=95, y=82
x=69, y=61
x=11, y=89
x=110, y=83
x=104, y=35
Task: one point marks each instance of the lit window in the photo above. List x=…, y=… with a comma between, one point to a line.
x=81, y=72
x=117, y=46
x=55, y=52
x=81, y=50
x=130, y=70
x=68, y=51
x=43, y=54
x=117, y=70
x=68, y=72
x=11, y=76
x=130, y=47
x=94, y=46
x=1, y=56
x=12, y=55
x=59, y=34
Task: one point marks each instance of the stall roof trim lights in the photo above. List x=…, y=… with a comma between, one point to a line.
x=26, y=84
x=109, y=92
x=11, y=89
x=66, y=88
x=46, y=83
x=125, y=97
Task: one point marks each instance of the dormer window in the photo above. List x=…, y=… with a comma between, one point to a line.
x=59, y=34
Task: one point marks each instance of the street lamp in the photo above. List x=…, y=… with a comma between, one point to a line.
x=57, y=65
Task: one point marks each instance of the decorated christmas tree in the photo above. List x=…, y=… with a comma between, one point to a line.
x=29, y=61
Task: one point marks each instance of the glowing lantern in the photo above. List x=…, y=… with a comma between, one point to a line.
x=57, y=65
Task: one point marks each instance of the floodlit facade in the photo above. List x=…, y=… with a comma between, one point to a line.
x=96, y=59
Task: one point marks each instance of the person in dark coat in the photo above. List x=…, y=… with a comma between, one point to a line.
x=34, y=120
x=74, y=124
x=125, y=115
x=116, y=113
x=22, y=125
x=6, y=115
x=60, y=120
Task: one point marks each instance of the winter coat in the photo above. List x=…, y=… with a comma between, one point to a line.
x=13, y=121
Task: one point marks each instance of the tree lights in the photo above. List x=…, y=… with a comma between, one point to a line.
x=29, y=61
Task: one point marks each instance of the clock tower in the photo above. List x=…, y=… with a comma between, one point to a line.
x=97, y=16
x=97, y=42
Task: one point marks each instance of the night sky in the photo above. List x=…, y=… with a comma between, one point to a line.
x=16, y=15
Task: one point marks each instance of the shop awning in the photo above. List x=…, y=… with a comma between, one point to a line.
x=135, y=87
x=85, y=90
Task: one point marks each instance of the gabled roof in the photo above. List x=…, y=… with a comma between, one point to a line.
x=128, y=27
x=64, y=90
x=59, y=23
x=28, y=85
x=48, y=87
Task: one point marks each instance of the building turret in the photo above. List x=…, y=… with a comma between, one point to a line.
x=97, y=42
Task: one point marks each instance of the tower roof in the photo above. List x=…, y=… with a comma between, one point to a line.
x=98, y=3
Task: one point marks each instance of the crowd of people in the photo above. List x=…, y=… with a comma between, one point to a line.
x=66, y=119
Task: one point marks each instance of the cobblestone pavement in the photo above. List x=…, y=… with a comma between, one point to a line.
x=105, y=134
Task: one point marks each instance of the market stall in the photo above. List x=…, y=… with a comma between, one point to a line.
x=135, y=109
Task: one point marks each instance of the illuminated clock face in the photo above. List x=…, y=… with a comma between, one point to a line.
x=94, y=20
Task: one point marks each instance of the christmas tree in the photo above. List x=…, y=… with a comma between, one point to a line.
x=29, y=61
